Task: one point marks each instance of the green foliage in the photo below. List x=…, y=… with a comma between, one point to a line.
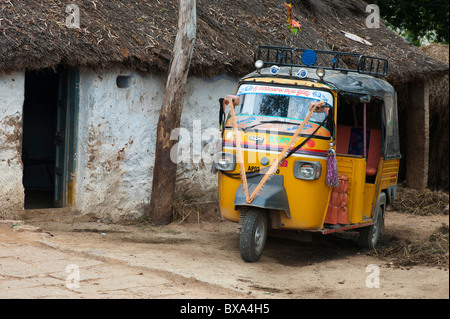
x=417, y=20
x=295, y=31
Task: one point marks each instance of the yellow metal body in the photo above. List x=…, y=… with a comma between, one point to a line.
x=362, y=196
x=308, y=200
x=305, y=213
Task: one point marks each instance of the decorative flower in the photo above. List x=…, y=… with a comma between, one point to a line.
x=295, y=24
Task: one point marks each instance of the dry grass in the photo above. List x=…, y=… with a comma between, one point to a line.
x=437, y=51
x=433, y=251
x=195, y=210
x=421, y=202
x=182, y=209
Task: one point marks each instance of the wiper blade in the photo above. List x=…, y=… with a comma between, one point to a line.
x=278, y=121
x=271, y=121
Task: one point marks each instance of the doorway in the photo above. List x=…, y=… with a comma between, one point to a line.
x=49, y=134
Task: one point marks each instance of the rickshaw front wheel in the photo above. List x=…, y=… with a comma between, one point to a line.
x=368, y=236
x=253, y=235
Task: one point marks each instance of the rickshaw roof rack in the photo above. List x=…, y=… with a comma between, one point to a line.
x=328, y=60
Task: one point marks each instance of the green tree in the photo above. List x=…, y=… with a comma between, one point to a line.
x=417, y=19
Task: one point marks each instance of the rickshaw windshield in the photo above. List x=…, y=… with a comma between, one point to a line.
x=281, y=102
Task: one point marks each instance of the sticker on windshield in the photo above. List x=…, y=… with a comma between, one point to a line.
x=306, y=93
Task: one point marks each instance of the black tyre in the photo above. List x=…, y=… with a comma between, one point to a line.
x=368, y=236
x=253, y=235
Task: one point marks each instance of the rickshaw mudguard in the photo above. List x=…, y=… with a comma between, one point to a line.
x=272, y=196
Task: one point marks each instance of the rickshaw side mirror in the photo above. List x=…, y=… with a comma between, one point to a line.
x=221, y=111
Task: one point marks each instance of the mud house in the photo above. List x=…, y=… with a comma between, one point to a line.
x=79, y=103
x=439, y=117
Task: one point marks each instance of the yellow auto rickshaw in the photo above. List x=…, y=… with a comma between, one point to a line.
x=309, y=142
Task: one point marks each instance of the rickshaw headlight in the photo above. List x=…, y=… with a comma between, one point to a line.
x=259, y=64
x=307, y=170
x=320, y=73
x=225, y=161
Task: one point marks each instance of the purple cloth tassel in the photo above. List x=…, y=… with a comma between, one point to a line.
x=332, y=178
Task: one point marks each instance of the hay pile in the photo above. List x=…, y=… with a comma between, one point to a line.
x=194, y=210
x=437, y=51
x=432, y=251
x=421, y=202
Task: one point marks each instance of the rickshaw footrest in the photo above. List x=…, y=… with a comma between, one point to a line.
x=335, y=229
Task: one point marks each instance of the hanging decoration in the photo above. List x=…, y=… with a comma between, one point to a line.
x=332, y=178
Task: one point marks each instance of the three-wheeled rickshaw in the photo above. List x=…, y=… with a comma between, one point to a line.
x=309, y=143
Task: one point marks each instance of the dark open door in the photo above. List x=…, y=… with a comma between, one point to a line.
x=49, y=137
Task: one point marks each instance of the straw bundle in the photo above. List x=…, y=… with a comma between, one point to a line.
x=432, y=251
x=421, y=202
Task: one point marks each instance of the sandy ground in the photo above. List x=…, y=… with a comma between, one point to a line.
x=202, y=260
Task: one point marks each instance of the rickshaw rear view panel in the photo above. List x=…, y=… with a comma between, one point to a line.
x=308, y=146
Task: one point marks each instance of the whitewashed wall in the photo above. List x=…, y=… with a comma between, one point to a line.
x=116, y=145
x=116, y=142
x=12, y=88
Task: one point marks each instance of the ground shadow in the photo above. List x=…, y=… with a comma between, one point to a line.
x=290, y=252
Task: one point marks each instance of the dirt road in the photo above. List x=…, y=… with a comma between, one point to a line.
x=193, y=260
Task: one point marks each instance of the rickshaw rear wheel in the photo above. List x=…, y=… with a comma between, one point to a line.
x=368, y=236
x=253, y=235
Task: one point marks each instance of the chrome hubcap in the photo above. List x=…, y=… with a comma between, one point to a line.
x=259, y=236
x=376, y=227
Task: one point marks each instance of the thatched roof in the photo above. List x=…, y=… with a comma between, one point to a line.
x=139, y=34
x=437, y=51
